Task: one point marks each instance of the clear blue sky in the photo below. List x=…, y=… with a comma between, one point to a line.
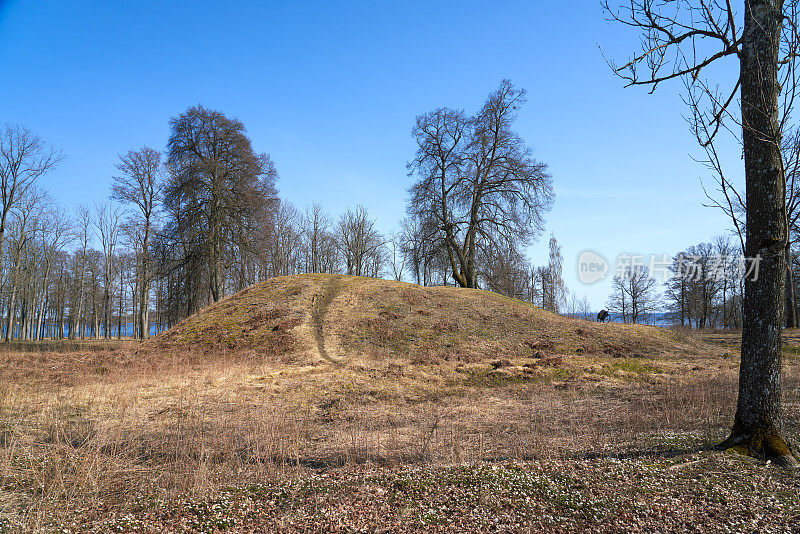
x=330, y=90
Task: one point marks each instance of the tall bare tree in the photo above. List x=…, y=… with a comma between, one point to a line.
x=140, y=185
x=56, y=233
x=360, y=243
x=397, y=259
x=554, y=289
x=321, y=254
x=681, y=39
x=423, y=248
x=84, y=224
x=506, y=272
x=24, y=221
x=283, y=255
x=478, y=180
x=107, y=223
x=24, y=158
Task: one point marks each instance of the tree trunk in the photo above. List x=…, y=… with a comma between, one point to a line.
x=106, y=312
x=24, y=319
x=40, y=320
x=144, y=301
x=215, y=244
x=79, y=316
x=791, y=307
x=38, y=334
x=120, y=305
x=12, y=301
x=757, y=425
x=96, y=317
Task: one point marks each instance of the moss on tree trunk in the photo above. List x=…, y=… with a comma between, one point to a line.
x=764, y=442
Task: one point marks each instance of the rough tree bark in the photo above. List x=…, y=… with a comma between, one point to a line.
x=673, y=33
x=757, y=428
x=791, y=300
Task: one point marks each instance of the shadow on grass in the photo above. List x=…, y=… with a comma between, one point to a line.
x=665, y=452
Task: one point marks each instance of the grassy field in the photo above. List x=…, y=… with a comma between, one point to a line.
x=335, y=403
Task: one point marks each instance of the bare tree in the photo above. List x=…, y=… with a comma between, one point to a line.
x=107, y=223
x=84, y=229
x=552, y=290
x=56, y=233
x=24, y=158
x=411, y=236
x=360, y=243
x=23, y=223
x=585, y=308
x=423, y=248
x=140, y=184
x=505, y=271
x=321, y=253
x=705, y=290
x=633, y=294
x=397, y=259
x=678, y=291
x=681, y=39
x=284, y=252
x=478, y=181
x=730, y=200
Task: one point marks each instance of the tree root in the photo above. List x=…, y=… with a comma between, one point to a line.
x=764, y=443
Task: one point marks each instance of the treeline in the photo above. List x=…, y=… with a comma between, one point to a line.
x=709, y=289
x=703, y=288
x=185, y=226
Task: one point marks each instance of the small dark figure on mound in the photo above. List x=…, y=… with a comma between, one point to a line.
x=603, y=315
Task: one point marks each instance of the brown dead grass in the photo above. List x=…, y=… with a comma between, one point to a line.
x=386, y=319
x=427, y=376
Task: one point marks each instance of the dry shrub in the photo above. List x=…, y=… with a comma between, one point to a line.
x=378, y=331
x=257, y=319
x=614, y=350
x=425, y=356
x=539, y=344
x=444, y=325
x=546, y=362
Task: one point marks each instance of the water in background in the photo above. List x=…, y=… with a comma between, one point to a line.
x=654, y=319
x=127, y=330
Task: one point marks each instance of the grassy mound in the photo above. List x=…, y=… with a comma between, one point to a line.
x=336, y=317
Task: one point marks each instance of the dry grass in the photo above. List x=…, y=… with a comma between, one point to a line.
x=278, y=320
x=94, y=430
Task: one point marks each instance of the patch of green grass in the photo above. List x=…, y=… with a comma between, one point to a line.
x=630, y=366
x=490, y=379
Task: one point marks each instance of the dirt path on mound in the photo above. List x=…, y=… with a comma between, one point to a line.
x=319, y=308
